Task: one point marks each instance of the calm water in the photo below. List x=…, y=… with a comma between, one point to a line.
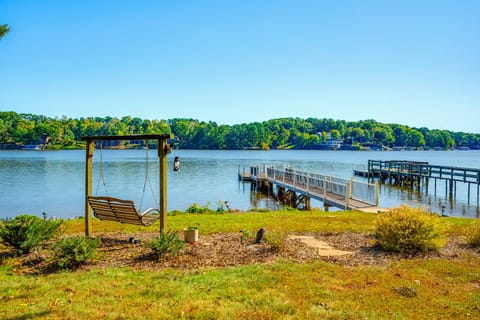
x=53, y=181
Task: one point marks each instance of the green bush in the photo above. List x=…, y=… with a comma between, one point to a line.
x=409, y=230
x=246, y=236
x=221, y=208
x=25, y=232
x=70, y=253
x=167, y=242
x=196, y=208
x=473, y=234
x=276, y=240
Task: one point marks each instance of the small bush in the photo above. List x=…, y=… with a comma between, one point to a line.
x=276, y=240
x=25, y=232
x=473, y=234
x=246, y=236
x=409, y=230
x=221, y=207
x=70, y=253
x=196, y=208
x=167, y=242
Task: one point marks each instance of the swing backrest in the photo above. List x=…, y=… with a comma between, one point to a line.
x=123, y=211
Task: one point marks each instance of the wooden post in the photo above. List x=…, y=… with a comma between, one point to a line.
x=324, y=190
x=162, y=154
x=90, y=146
x=446, y=188
x=478, y=194
x=468, y=202
x=376, y=193
x=455, y=190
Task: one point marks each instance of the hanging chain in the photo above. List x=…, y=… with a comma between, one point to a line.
x=101, y=176
x=147, y=178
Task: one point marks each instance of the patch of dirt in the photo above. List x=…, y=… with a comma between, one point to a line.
x=226, y=249
x=323, y=248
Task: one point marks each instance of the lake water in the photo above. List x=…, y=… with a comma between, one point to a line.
x=53, y=181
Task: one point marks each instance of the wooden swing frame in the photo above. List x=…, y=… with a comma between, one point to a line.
x=163, y=150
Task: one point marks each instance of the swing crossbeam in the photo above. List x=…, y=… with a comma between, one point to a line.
x=125, y=206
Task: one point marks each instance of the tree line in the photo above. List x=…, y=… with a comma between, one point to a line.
x=285, y=133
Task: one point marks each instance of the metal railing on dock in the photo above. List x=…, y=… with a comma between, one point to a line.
x=331, y=190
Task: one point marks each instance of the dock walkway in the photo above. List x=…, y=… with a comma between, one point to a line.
x=298, y=187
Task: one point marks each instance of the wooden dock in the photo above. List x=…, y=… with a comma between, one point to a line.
x=296, y=188
x=416, y=174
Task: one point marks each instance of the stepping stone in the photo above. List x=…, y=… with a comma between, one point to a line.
x=323, y=248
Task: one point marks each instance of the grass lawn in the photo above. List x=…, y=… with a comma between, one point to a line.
x=415, y=288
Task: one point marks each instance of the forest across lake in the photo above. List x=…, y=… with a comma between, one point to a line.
x=20, y=130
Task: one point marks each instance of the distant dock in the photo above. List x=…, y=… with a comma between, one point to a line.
x=416, y=174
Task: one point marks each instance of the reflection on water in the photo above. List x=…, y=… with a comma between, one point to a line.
x=54, y=182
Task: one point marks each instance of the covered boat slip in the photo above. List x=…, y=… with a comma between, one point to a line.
x=124, y=210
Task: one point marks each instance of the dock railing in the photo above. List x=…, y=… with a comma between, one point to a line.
x=424, y=170
x=315, y=183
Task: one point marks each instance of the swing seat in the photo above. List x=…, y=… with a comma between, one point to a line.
x=123, y=211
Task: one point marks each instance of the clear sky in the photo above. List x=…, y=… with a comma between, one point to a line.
x=410, y=62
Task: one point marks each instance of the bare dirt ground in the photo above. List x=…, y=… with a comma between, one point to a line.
x=226, y=249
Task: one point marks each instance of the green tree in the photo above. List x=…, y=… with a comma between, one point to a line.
x=306, y=141
x=439, y=139
x=383, y=135
x=357, y=134
x=233, y=139
x=4, y=30
x=335, y=134
x=401, y=135
x=415, y=138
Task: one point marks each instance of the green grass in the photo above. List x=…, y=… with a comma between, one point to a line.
x=292, y=221
x=446, y=289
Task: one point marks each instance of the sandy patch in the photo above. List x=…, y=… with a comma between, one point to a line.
x=323, y=248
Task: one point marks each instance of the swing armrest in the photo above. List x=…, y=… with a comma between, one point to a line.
x=148, y=211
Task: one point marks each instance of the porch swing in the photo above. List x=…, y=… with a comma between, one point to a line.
x=120, y=210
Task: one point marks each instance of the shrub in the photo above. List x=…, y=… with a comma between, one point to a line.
x=196, y=208
x=25, y=232
x=409, y=230
x=221, y=207
x=70, y=253
x=246, y=235
x=276, y=240
x=473, y=234
x=167, y=242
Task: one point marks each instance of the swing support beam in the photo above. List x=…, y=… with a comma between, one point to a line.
x=163, y=150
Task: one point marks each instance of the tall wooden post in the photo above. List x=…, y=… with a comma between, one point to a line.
x=88, y=186
x=162, y=153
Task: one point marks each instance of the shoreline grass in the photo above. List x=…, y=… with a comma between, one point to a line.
x=291, y=221
x=444, y=289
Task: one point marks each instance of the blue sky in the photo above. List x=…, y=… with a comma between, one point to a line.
x=410, y=62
